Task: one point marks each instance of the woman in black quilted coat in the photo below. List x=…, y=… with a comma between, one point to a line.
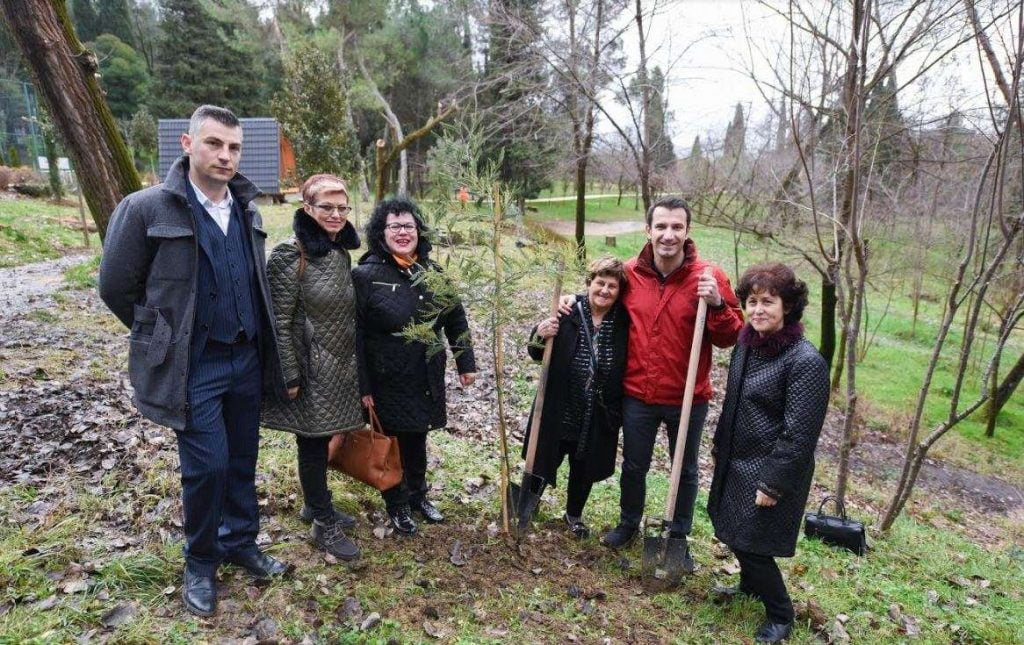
x=404, y=381
x=315, y=311
x=775, y=404
x=583, y=399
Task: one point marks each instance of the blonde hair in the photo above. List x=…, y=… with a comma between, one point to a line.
x=321, y=182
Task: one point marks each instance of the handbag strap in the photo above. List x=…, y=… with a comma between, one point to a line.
x=375, y=423
x=840, y=507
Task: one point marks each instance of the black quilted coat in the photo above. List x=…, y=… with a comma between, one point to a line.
x=408, y=387
x=775, y=404
x=316, y=331
x=604, y=441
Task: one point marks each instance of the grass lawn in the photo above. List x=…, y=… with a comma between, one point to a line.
x=32, y=230
x=601, y=209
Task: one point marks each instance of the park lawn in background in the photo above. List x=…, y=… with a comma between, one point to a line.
x=33, y=230
x=599, y=209
x=889, y=378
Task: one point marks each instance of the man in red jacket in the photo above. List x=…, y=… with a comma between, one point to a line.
x=664, y=284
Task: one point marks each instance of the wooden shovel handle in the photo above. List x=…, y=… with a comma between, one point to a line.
x=542, y=382
x=684, y=415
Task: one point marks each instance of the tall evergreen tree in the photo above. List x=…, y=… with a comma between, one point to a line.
x=123, y=75
x=735, y=135
x=115, y=18
x=202, y=59
x=662, y=151
x=313, y=113
x=522, y=134
x=86, y=20
x=886, y=126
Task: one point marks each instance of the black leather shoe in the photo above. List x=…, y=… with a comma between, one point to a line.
x=261, y=565
x=332, y=539
x=770, y=632
x=199, y=594
x=427, y=511
x=346, y=521
x=619, y=537
x=577, y=527
x=402, y=521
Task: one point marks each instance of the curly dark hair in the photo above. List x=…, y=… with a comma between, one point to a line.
x=393, y=206
x=779, y=280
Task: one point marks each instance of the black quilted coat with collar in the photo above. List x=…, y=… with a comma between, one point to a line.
x=316, y=329
x=772, y=415
x=407, y=384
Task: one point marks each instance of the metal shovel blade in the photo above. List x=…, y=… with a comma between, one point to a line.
x=665, y=559
x=525, y=500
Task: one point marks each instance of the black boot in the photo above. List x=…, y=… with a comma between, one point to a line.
x=260, y=565
x=619, y=537
x=576, y=526
x=347, y=521
x=402, y=521
x=332, y=539
x=427, y=511
x=770, y=632
x=199, y=594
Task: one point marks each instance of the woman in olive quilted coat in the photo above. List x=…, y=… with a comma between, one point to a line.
x=315, y=310
x=775, y=404
x=404, y=381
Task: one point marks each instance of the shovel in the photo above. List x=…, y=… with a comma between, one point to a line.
x=525, y=498
x=666, y=558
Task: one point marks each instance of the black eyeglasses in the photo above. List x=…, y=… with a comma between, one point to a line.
x=331, y=208
x=396, y=227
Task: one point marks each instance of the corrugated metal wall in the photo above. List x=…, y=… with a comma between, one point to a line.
x=261, y=150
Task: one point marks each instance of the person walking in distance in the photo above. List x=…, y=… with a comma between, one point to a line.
x=184, y=269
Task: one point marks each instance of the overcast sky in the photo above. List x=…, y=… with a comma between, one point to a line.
x=703, y=44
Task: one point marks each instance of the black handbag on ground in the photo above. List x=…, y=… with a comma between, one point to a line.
x=836, y=530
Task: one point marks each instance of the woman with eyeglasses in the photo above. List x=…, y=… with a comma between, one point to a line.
x=403, y=380
x=315, y=309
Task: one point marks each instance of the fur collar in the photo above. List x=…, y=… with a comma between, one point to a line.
x=772, y=344
x=314, y=240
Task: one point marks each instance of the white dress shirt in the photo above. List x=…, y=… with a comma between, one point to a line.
x=220, y=212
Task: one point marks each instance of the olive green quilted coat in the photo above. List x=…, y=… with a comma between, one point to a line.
x=316, y=326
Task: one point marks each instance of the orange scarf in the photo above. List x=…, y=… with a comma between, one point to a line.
x=403, y=263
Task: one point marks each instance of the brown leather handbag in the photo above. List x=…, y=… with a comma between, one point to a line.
x=368, y=455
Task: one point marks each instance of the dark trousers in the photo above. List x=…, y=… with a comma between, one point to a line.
x=640, y=423
x=577, y=490
x=760, y=577
x=412, y=447
x=218, y=450
x=313, y=476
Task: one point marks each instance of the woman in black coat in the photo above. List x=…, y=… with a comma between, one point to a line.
x=583, y=400
x=401, y=379
x=775, y=404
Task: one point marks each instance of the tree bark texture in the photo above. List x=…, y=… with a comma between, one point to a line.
x=65, y=75
x=1002, y=394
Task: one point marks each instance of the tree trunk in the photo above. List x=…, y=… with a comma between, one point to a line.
x=581, y=206
x=65, y=75
x=827, y=342
x=1001, y=395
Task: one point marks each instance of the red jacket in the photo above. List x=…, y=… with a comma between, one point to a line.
x=662, y=317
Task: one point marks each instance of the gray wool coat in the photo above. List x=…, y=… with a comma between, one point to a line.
x=148, y=279
x=316, y=328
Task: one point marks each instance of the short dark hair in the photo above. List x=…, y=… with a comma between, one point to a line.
x=671, y=203
x=779, y=280
x=221, y=115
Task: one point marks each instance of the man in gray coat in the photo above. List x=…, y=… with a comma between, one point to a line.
x=184, y=269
